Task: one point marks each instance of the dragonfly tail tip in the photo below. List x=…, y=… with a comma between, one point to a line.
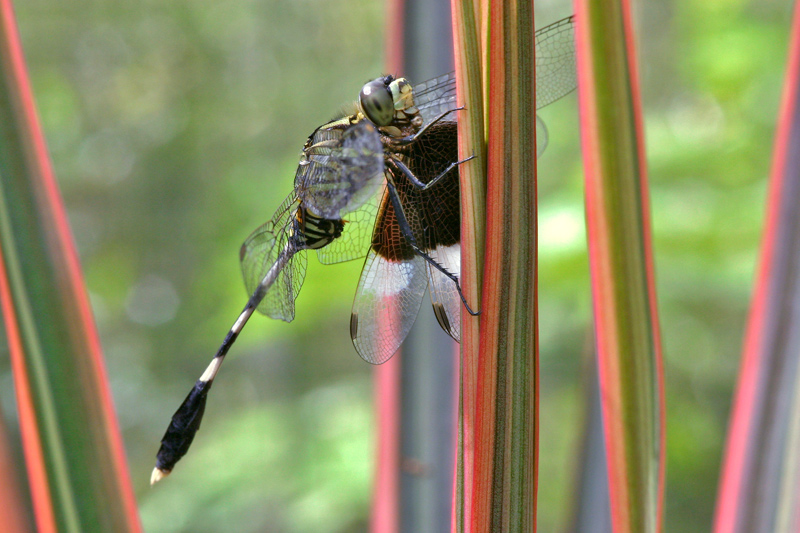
x=158, y=475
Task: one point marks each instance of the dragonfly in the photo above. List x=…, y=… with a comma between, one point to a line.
x=416, y=241
x=340, y=167
x=381, y=181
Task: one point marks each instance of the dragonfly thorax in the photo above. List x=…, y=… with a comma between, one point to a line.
x=315, y=232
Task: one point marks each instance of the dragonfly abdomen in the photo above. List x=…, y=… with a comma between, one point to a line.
x=316, y=232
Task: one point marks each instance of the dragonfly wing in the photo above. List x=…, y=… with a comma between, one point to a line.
x=434, y=97
x=341, y=169
x=555, y=61
x=444, y=296
x=555, y=73
x=356, y=236
x=542, y=136
x=387, y=302
x=260, y=252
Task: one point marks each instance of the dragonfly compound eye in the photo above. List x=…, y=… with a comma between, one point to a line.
x=376, y=102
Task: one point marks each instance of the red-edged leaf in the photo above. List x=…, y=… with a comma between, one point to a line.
x=385, y=517
x=506, y=409
x=470, y=71
x=385, y=513
x=12, y=506
x=620, y=255
x=74, y=454
x=760, y=481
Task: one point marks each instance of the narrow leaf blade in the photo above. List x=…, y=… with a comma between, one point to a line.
x=506, y=411
x=470, y=71
x=760, y=481
x=617, y=211
x=13, y=507
x=74, y=453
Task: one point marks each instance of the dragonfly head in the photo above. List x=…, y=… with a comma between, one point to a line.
x=402, y=94
x=376, y=101
x=389, y=102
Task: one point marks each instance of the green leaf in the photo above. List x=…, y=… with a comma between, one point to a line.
x=617, y=214
x=505, y=460
x=73, y=449
x=12, y=508
x=470, y=71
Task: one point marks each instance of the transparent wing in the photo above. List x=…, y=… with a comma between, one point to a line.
x=555, y=73
x=357, y=233
x=434, y=97
x=555, y=61
x=341, y=170
x=542, y=136
x=386, y=305
x=444, y=296
x=260, y=252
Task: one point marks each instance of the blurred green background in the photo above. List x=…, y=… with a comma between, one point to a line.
x=175, y=129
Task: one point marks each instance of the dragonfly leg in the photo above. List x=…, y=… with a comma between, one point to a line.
x=405, y=228
x=400, y=166
x=409, y=139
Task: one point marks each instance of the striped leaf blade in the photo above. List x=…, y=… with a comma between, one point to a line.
x=13, y=507
x=74, y=454
x=468, y=28
x=620, y=256
x=506, y=409
x=760, y=481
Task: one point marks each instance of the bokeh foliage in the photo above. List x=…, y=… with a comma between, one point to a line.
x=175, y=128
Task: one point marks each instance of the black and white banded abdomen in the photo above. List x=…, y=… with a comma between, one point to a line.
x=315, y=232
